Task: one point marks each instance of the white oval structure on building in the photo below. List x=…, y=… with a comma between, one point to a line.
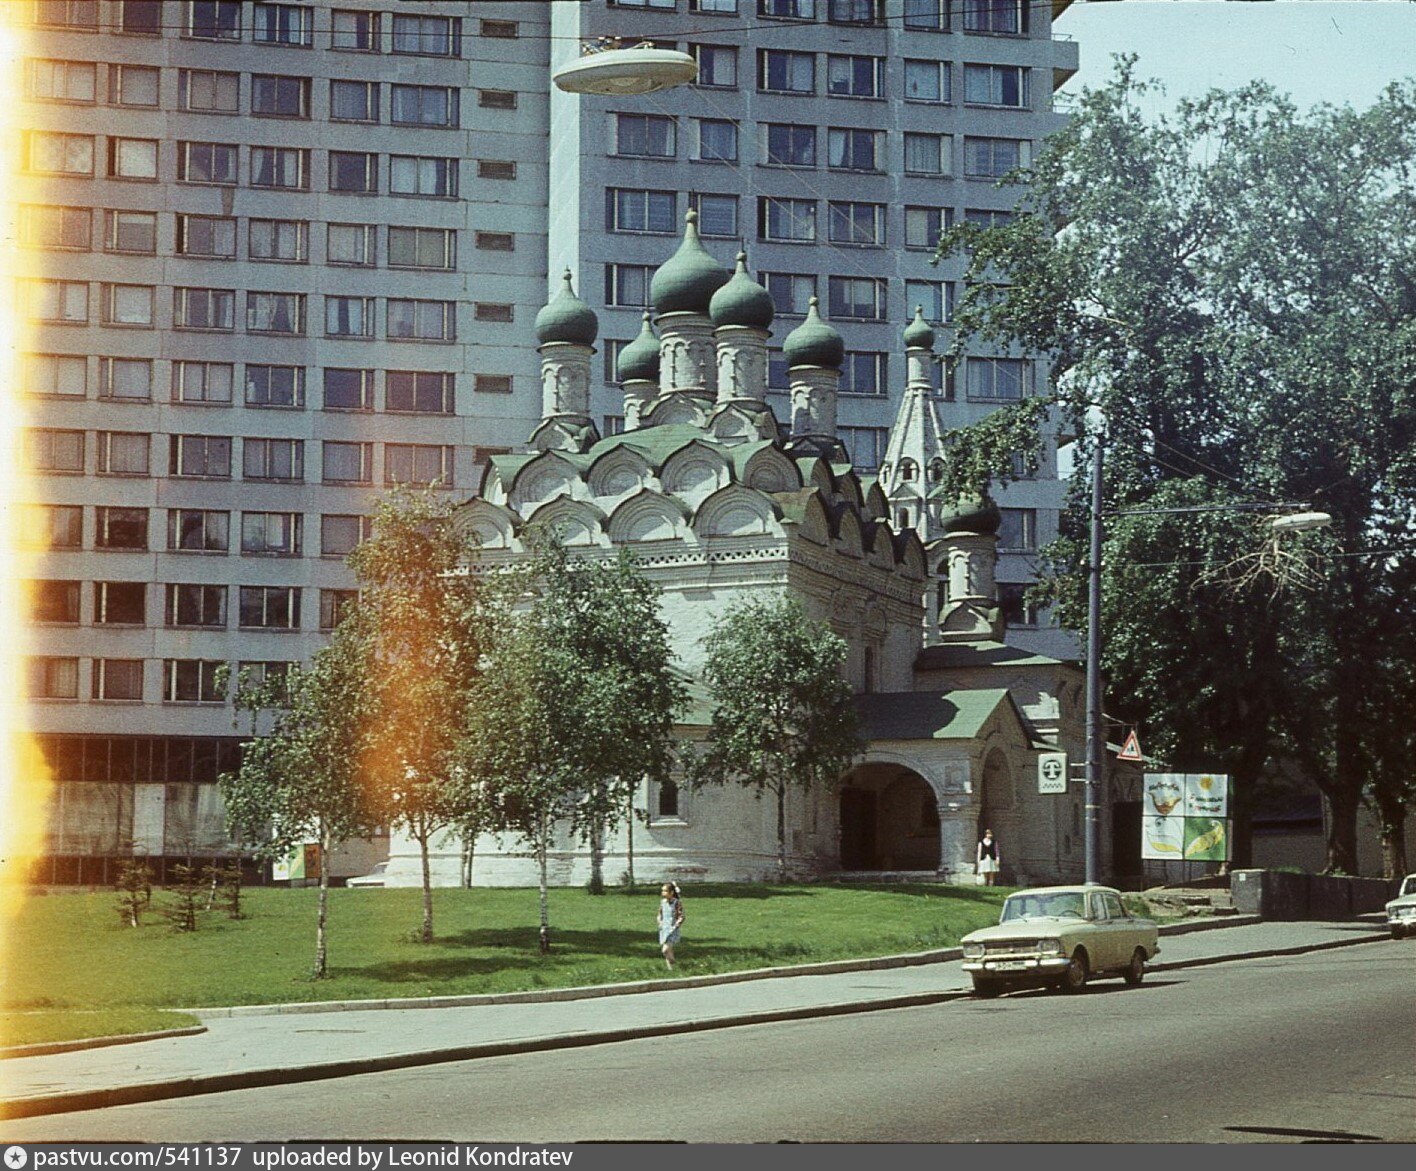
x=614, y=71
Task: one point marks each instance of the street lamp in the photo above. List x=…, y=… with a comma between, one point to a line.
x=1096, y=743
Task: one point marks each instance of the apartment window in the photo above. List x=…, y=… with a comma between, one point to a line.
x=628, y=285
x=777, y=377
x=420, y=391
x=66, y=13
x=491, y=242
x=992, y=158
x=202, y=382
x=493, y=311
x=191, y=681
x=120, y=528
x=43, y=226
x=282, y=24
x=56, y=374
x=275, y=386
x=996, y=85
x=492, y=384
x=645, y=136
x=927, y=15
x=857, y=223
x=854, y=11
x=196, y=605
x=1016, y=608
x=992, y=379
x=279, y=240
x=434, y=178
x=717, y=66
x=119, y=603
x=934, y=297
x=422, y=320
x=54, y=602
x=272, y=534
x=273, y=459
x=354, y=101
x=353, y=171
x=424, y=105
x=125, y=379
x=985, y=217
x=49, y=450
x=927, y=81
x=418, y=465
x=208, y=91
x=212, y=20
x=207, y=162
x=640, y=211
x=427, y=36
x=270, y=607
x=351, y=244
x=276, y=96
x=62, y=81
x=47, y=527
x=51, y=153
x=123, y=453
x=500, y=29
x=496, y=169
x=422, y=248
x=791, y=292
x=787, y=9
x=717, y=140
x=348, y=389
x=669, y=4
x=865, y=445
x=349, y=317
x=717, y=214
x=61, y=302
x=340, y=534
x=130, y=231
x=118, y=679
x=611, y=349
x=275, y=313
x=132, y=158
x=861, y=298
x=205, y=235
x=781, y=71
x=51, y=677
x=496, y=99
x=355, y=32
x=923, y=226
x=334, y=604
x=202, y=456
x=196, y=530
x=865, y=373
x=995, y=16
x=853, y=149
x=1017, y=529
x=347, y=463
x=786, y=219
x=284, y=168
x=134, y=85
x=927, y=154
x=787, y=145
x=855, y=77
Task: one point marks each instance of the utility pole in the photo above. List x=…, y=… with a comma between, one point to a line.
x=1096, y=744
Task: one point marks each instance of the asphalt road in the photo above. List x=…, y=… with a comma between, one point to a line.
x=1302, y=1048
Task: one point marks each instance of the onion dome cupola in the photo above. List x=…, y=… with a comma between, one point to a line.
x=566, y=318
x=814, y=343
x=919, y=334
x=971, y=514
x=639, y=361
x=742, y=301
x=686, y=282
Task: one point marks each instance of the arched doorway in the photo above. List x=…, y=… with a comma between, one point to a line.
x=889, y=820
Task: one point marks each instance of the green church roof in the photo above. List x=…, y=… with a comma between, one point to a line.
x=742, y=301
x=686, y=282
x=929, y=715
x=640, y=359
x=566, y=318
x=814, y=343
x=919, y=334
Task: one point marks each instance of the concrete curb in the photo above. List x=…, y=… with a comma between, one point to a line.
x=48, y=1048
x=68, y=1102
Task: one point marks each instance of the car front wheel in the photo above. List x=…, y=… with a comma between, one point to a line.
x=1074, y=979
x=1136, y=969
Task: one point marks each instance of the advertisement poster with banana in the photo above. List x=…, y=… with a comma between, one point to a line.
x=1185, y=817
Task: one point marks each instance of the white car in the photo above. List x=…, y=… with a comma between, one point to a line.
x=375, y=877
x=1401, y=911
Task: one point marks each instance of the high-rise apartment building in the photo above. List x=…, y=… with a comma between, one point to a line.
x=279, y=256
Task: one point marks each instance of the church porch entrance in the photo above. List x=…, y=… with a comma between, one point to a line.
x=889, y=820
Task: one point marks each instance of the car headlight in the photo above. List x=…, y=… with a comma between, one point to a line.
x=1049, y=947
x=973, y=951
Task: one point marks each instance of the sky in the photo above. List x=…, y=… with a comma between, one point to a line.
x=1313, y=50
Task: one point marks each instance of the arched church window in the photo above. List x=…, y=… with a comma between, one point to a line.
x=908, y=470
x=902, y=518
x=936, y=471
x=668, y=799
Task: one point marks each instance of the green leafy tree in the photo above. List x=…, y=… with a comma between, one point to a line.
x=306, y=778
x=782, y=710
x=1233, y=287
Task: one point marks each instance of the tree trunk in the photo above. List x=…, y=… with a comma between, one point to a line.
x=781, y=831
x=469, y=850
x=424, y=833
x=1342, y=806
x=542, y=851
x=629, y=843
x=322, y=916
x=597, y=855
x=1391, y=815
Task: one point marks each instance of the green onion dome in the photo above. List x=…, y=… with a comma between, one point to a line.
x=742, y=301
x=814, y=343
x=919, y=334
x=686, y=282
x=639, y=361
x=971, y=514
x=566, y=318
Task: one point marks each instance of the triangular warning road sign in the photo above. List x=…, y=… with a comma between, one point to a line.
x=1131, y=749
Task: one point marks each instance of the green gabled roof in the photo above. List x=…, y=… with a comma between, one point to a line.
x=794, y=504
x=930, y=715
x=741, y=453
x=508, y=465
x=984, y=653
x=655, y=444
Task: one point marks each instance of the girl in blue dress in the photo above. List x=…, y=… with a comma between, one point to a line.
x=670, y=920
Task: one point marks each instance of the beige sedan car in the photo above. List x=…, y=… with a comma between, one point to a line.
x=1060, y=936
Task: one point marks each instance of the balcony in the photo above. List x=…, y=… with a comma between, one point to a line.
x=1066, y=59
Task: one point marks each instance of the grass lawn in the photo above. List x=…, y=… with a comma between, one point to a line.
x=68, y=954
x=30, y=1028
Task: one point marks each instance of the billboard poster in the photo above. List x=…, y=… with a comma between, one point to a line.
x=1162, y=838
x=1205, y=839
x=1184, y=817
x=1206, y=795
x=1164, y=794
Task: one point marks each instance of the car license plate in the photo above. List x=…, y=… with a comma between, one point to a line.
x=1010, y=965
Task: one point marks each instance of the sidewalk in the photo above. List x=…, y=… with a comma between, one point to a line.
x=257, y=1049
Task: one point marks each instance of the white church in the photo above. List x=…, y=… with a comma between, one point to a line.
x=719, y=501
